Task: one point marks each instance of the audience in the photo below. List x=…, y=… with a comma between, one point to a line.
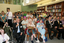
x=31, y=27
x=28, y=24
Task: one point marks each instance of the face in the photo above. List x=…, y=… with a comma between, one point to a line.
x=2, y=31
x=34, y=16
x=8, y=10
x=6, y=24
x=40, y=21
x=2, y=13
x=21, y=18
x=14, y=21
x=17, y=16
x=58, y=18
x=54, y=17
x=25, y=12
x=18, y=20
x=30, y=21
x=49, y=18
x=24, y=18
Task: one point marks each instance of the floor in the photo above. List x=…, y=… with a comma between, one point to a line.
x=55, y=40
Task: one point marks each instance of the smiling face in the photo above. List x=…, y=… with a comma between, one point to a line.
x=18, y=20
x=2, y=12
x=2, y=31
x=30, y=21
x=58, y=18
x=40, y=21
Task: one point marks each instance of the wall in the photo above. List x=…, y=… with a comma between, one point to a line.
x=29, y=8
x=49, y=2
x=13, y=8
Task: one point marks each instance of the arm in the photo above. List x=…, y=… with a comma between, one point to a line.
x=22, y=30
x=47, y=24
x=7, y=37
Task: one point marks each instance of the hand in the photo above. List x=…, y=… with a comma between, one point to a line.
x=51, y=21
x=60, y=28
x=41, y=25
x=3, y=21
x=21, y=34
x=6, y=14
x=17, y=25
x=55, y=27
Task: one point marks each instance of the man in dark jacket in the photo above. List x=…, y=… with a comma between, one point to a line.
x=50, y=26
x=59, y=27
x=20, y=36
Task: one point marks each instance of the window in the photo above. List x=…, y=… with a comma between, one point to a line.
x=27, y=1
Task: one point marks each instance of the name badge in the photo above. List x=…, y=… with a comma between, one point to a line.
x=60, y=23
x=20, y=26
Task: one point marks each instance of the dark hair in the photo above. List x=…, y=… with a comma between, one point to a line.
x=40, y=19
x=8, y=8
x=2, y=11
x=2, y=29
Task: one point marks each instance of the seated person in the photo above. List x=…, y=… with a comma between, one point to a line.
x=41, y=29
x=14, y=21
x=24, y=22
x=19, y=31
x=7, y=29
x=31, y=27
x=3, y=37
x=59, y=26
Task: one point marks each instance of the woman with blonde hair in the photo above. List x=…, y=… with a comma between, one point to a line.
x=30, y=30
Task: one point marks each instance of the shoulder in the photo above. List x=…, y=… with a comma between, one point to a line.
x=5, y=34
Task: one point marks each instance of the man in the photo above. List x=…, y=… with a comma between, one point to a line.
x=59, y=27
x=20, y=36
x=9, y=17
x=49, y=25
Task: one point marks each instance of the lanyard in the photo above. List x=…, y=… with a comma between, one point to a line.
x=3, y=38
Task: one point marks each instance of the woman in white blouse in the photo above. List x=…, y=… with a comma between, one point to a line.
x=3, y=37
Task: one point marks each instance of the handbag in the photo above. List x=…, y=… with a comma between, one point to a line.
x=4, y=42
x=46, y=39
x=40, y=39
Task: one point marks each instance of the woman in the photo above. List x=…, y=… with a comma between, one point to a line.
x=24, y=22
x=31, y=15
x=28, y=15
x=31, y=27
x=3, y=18
x=4, y=37
x=21, y=19
x=41, y=29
